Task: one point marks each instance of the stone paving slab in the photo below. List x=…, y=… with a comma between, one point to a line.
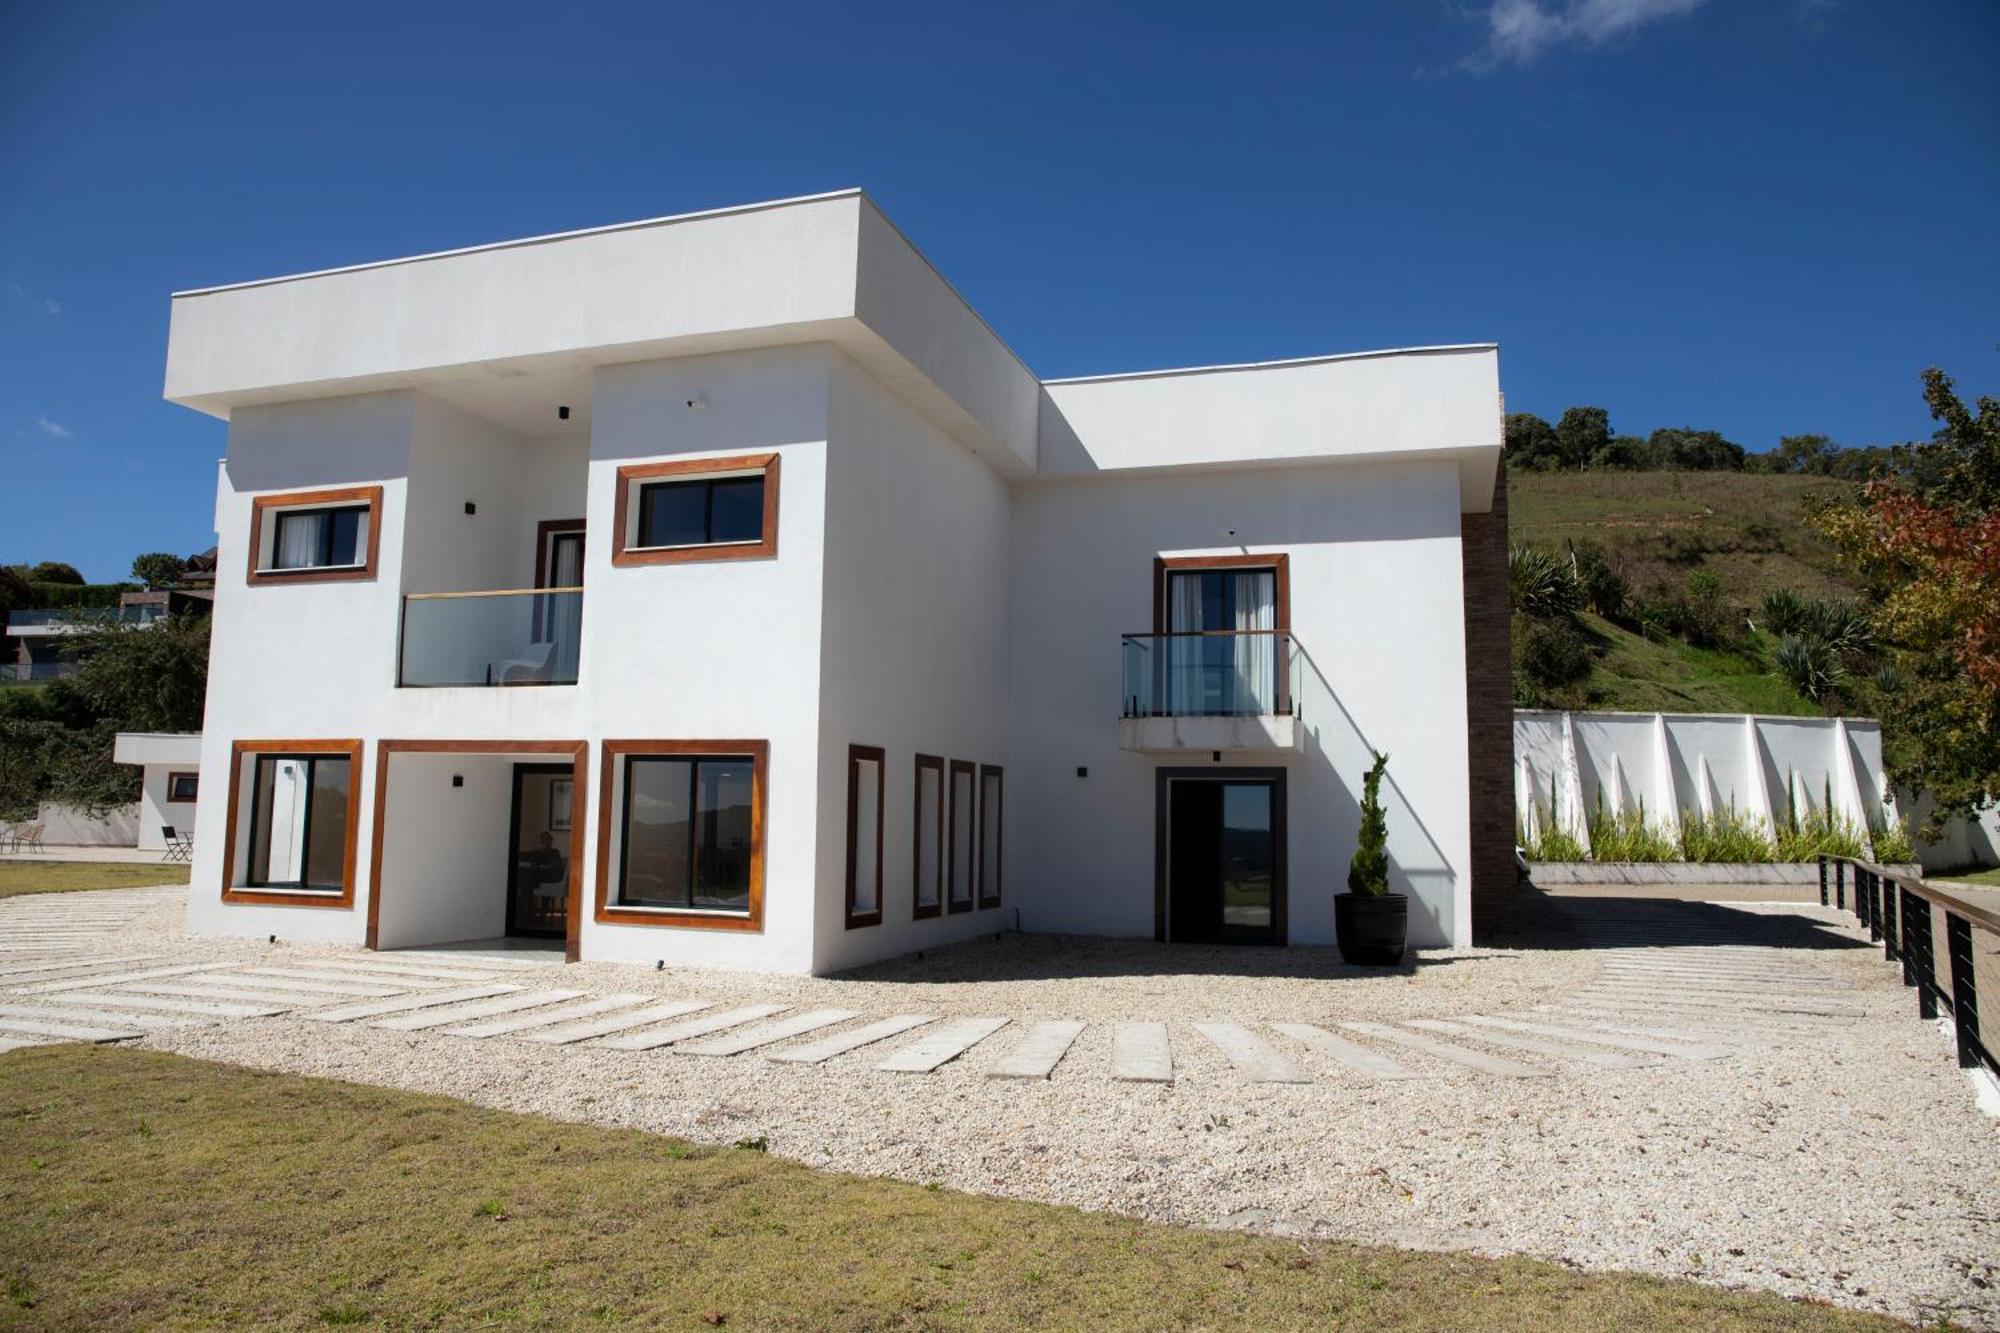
x=1038, y=1053
x=1250, y=1055
x=164, y=1005
x=598, y=1027
x=817, y=1052
x=84, y=1014
x=504, y=1004
x=1141, y=1053
x=1679, y=1049
x=1768, y=1004
x=1444, y=1050
x=67, y=1031
x=25, y=971
x=1361, y=1059
x=348, y=1013
x=500, y=1027
x=302, y=979
x=421, y=971
x=1537, y=1045
x=118, y=978
x=941, y=1045
x=688, y=1029
x=248, y=994
x=795, y=1025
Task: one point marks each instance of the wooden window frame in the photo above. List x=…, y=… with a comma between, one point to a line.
x=355, y=497
x=613, y=752
x=578, y=753
x=634, y=475
x=952, y=906
x=1000, y=850
x=918, y=911
x=546, y=532
x=1280, y=565
x=233, y=893
x=856, y=756
x=174, y=776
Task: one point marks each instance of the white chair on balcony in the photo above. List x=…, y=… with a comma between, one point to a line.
x=530, y=668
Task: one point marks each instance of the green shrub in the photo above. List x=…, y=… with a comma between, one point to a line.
x=1808, y=666
x=1552, y=653
x=1785, y=612
x=1553, y=845
x=1628, y=837
x=1724, y=837
x=1603, y=589
x=1540, y=584
x=1824, y=834
x=1893, y=845
x=1368, y=872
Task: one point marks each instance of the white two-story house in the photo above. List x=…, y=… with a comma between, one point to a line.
x=720, y=590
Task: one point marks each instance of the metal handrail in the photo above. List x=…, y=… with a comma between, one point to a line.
x=1201, y=633
x=490, y=592
x=1886, y=902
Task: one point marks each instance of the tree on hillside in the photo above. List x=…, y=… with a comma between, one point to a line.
x=15, y=591
x=145, y=677
x=1692, y=450
x=55, y=571
x=1531, y=442
x=158, y=569
x=1582, y=434
x=1926, y=543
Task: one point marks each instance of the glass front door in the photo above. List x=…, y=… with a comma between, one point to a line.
x=1224, y=872
x=539, y=868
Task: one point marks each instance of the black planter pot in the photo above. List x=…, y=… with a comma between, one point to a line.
x=1371, y=928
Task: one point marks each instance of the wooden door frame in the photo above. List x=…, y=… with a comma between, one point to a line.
x=579, y=756
x=1280, y=838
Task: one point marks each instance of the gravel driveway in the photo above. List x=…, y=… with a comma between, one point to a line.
x=1738, y=1095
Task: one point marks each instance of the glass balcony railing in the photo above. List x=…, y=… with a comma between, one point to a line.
x=1211, y=673
x=85, y=617
x=24, y=672
x=527, y=636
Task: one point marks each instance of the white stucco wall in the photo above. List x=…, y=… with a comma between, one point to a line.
x=915, y=646
x=445, y=853
x=1374, y=561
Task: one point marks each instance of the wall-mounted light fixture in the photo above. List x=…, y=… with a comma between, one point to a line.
x=471, y=508
x=562, y=413
x=458, y=779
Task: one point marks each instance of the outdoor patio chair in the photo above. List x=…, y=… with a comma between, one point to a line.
x=530, y=667
x=11, y=836
x=180, y=846
x=34, y=838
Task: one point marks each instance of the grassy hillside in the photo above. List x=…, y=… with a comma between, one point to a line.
x=1659, y=527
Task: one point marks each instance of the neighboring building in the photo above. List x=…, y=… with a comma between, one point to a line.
x=170, y=784
x=41, y=645
x=721, y=590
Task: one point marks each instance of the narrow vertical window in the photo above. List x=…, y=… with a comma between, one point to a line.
x=991, y=800
x=864, y=835
x=963, y=830
x=927, y=838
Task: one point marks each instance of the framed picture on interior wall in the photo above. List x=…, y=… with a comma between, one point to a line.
x=559, y=789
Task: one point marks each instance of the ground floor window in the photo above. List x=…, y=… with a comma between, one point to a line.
x=684, y=843
x=864, y=835
x=292, y=820
x=183, y=787
x=991, y=802
x=927, y=838
x=963, y=828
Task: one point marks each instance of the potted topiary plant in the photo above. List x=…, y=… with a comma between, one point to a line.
x=1371, y=923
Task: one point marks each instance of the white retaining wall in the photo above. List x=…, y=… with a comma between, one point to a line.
x=1670, y=764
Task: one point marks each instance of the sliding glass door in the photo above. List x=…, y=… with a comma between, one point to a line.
x=1223, y=660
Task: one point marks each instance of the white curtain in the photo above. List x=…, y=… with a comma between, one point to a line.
x=1184, y=657
x=1256, y=685
x=299, y=537
x=564, y=620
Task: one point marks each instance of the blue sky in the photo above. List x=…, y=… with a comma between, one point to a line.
x=1757, y=216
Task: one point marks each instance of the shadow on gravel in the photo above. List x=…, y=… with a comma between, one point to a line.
x=1539, y=920
x=1039, y=957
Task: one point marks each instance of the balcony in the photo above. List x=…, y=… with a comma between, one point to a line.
x=1210, y=690
x=81, y=619
x=514, y=637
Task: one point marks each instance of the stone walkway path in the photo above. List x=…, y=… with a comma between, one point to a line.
x=1666, y=992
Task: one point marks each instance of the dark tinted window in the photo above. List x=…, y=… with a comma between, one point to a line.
x=701, y=513
x=687, y=832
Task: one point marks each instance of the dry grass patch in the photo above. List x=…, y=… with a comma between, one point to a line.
x=19, y=877
x=147, y=1190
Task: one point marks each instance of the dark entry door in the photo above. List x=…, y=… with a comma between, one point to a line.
x=538, y=851
x=1223, y=858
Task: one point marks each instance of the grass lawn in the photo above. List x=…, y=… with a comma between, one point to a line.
x=1983, y=878
x=1637, y=673
x=148, y=1190
x=17, y=877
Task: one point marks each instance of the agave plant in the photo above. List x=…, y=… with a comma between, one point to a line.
x=1784, y=611
x=1812, y=668
x=1541, y=584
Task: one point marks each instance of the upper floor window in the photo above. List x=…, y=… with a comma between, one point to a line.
x=315, y=535
x=697, y=509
